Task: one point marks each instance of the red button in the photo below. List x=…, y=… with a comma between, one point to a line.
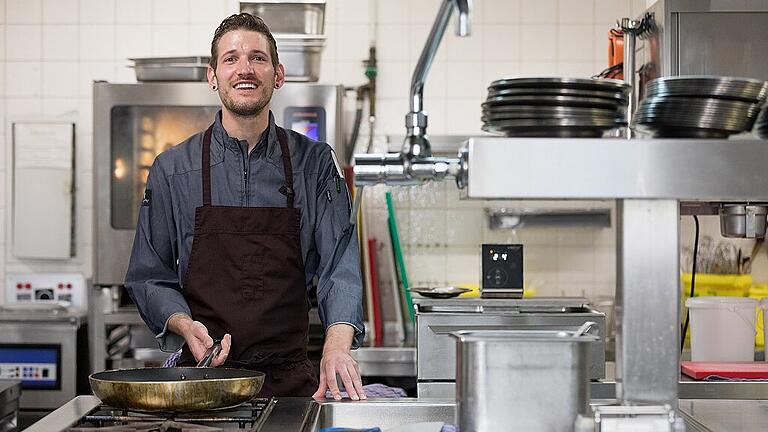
x=69, y=285
x=28, y=286
x=19, y=286
x=61, y=285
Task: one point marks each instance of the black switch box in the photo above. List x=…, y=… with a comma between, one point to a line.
x=502, y=270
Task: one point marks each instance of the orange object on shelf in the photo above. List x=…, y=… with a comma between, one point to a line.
x=615, y=52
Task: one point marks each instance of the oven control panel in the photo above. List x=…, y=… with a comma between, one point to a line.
x=46, y=288
x=36, y=366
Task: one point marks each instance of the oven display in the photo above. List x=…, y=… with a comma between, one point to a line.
x=37, y=366
x=308, y=121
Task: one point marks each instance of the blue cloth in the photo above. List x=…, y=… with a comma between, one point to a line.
x=172, y=359
x=374, y=390
x=165, y=229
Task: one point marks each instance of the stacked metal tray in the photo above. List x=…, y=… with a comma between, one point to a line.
x=554, y=107
x=700, y=106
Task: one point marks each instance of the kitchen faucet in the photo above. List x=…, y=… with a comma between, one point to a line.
x=416, y=143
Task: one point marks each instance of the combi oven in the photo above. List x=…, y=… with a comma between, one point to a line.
x=133, y=123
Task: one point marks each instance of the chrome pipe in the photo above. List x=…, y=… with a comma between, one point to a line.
x=629, y=30
x=392, y=169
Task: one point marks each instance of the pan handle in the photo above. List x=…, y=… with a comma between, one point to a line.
x=212, y=352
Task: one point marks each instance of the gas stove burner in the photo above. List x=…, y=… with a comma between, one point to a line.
x=106, y=418
x=166, y=426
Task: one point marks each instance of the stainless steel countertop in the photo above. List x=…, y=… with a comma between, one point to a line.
x=301, y=414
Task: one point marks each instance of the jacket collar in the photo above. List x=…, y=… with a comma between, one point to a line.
x=268, y=143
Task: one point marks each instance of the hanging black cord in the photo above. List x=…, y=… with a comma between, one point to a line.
x=693, y=281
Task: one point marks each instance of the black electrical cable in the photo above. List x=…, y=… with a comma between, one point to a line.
x=693, y=281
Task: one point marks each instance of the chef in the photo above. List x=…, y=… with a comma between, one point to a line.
x=235, y=224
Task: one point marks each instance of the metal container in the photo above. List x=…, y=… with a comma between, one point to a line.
x=521, y=380
x=301, y=56
x=192, y=68
x=289, y=16
x=743, y=221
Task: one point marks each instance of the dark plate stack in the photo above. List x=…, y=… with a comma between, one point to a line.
x=554, y=107
x=761, y=125
x=700, y=106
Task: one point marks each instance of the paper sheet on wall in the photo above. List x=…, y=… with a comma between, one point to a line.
x=43, y=145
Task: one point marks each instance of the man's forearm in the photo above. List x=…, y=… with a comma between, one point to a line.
x=179, y=323
x=339, y=337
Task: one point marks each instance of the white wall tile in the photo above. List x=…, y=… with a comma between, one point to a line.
x=538, y=69
x=2, y=11
x=103, y=11
x=124, y=72
x=207, y=12
x=575, y=236
x=170, y=40
x=97, y=42
x=493, y=71
x=199, y=37
x=538, y=11
x=16, y=108
x=61, y=42
x=575, y=42
x=23, y=79
x=464, y=48
x=436, y=121
x=23, y=42
x=576, y=11
x=393, y=11
x=24, y=11
x=607, y=12
x=424, y=11
x=583, y=69
x=464, y=80
x=463, y=116
x=91, y=71
x=61, y=107
x=60, y=79
x=133, y=11
x=427, y=267
x=133, y=41
x=85, y=125
x=393, y=42
x=539, y=236
x=356, y=40
x=605, y=265
x=328, y=72
x=60, y=11
x=418, y=37
x=83, y=224
x=501, y=11
x=575, y=265
x=464, y=227
x=502, y=42
x=538, y=42
x=393, y=80
x=353, y=11
x=84, y=153
x=462, y=266
x=425, y=197
x=2, y=41
x=170, y=12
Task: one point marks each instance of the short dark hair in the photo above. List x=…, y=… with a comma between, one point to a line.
x=244, y=21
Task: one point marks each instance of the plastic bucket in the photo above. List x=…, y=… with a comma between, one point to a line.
x=758, y=292
x=722, y=328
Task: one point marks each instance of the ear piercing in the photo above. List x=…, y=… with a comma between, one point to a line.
x=214, y=88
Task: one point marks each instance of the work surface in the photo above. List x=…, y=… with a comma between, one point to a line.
x=306, y=415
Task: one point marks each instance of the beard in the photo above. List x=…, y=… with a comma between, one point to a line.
x=249, y=107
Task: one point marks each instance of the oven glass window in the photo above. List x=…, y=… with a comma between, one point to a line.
x=139, y=134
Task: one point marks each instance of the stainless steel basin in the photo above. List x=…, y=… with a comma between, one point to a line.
x=384, y=413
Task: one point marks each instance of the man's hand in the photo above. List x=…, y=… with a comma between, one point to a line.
x=337, y=360
x=196, y=335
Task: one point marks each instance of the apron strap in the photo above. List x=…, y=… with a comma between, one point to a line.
x=287, y=188
x=207, y=167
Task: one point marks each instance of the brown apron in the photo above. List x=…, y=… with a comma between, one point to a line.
x=246, y=278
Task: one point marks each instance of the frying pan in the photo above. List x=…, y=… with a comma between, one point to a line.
x=177, y=389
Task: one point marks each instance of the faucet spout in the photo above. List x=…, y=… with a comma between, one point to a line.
x=416, y=144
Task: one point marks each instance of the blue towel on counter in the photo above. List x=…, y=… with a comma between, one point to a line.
x=450, y=428
x=172, y=359
x=374, y=390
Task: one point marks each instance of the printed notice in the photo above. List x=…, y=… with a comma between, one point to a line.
x=43, y=145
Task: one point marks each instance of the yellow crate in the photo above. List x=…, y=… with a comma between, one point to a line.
x=721, y=285
x=759, y=291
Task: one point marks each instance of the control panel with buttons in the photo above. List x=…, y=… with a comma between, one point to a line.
x=502, y=270
x=46, y=288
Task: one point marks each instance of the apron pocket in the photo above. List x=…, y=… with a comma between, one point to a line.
x=252, y=277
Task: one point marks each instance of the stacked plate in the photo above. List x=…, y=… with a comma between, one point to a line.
x=700, y=106
x=554, y=107
x=761, y=126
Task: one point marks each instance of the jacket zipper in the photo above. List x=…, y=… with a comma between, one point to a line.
x=246, y=160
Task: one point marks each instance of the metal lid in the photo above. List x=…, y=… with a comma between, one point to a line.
x=557, y=336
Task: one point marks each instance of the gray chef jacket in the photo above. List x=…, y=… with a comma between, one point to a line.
x=165, y=230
